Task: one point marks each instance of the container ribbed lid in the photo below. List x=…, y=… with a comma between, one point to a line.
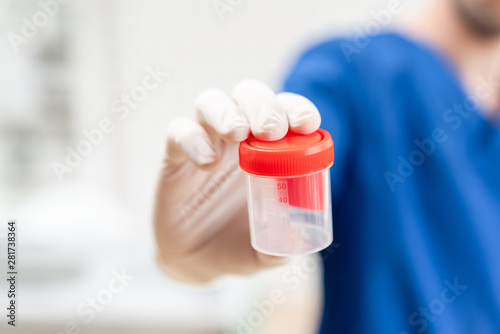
x=293, y=155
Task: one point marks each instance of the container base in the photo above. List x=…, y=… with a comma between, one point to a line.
x=290, y=246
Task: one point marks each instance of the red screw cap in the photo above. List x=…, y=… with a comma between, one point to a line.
x=293, y=155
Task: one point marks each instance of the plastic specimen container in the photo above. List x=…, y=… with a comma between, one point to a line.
x=289, y=196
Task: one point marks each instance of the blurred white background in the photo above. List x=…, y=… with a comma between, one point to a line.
x=64, y=80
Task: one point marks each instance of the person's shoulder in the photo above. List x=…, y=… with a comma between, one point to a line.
x=321, y=62
x=385, y=52
x=355, y=65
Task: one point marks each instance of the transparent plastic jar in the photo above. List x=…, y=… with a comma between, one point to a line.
x=289, y=200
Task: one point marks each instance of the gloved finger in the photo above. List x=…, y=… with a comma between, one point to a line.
x=215, y=110
x=267, y=118
x=186, y=138
x=303, y=116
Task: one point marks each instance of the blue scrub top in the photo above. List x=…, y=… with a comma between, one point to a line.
x=415, y=190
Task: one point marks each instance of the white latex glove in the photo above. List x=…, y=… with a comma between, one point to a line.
x=201, y=218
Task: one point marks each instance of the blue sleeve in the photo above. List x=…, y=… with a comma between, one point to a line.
x=321, y=75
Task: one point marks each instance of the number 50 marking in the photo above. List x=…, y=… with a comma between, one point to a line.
x=281, y=186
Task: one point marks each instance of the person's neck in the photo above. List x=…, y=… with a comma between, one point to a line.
x=476, y=57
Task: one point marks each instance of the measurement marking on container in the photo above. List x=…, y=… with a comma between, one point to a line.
x=271, y=213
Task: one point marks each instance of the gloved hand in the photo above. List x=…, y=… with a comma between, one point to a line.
x=201, y=218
